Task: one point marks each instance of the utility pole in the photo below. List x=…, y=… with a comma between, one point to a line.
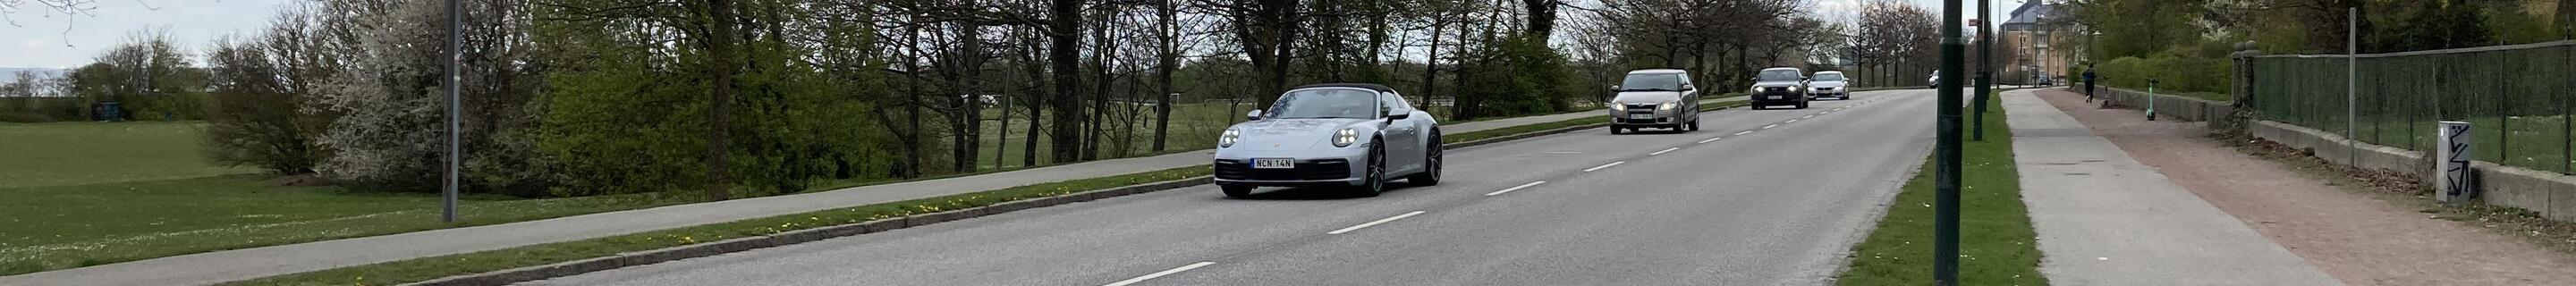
x=1985, y=67
x=455, y=151
x=1945, y=210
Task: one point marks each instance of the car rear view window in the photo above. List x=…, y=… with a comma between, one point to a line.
x=1653, y=82
x=1325, y=103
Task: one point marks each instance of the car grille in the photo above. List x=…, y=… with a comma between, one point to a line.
x=1324, y=169
x=1646, y=107
x=1775, y=89
x=1825, y=88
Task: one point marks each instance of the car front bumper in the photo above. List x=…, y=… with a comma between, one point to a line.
x=1830, y=92
x=1778, y=96
x=1645, y=115
x=1347, y=166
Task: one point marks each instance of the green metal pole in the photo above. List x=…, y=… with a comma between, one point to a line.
x=1945, y=210
x=1985, y=68
x=2151, y=100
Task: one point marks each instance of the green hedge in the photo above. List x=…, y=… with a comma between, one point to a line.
x=2174, y=74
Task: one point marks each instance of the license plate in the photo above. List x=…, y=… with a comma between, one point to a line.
x=1775, y=97
x=1641, y=116
x=1274, y=164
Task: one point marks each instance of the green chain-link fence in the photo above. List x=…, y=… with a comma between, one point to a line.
x=2516, y=97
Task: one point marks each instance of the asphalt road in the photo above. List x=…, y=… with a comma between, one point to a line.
x=1757, y=197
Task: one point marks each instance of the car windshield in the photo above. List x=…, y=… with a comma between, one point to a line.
x=1829, y=77
x=1778, y=75
x=1325, y=103
x=1652, y=82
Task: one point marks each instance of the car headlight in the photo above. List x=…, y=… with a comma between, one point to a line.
x=1227, y=139
x=1345, y=137
x=1614, y=106
x=1756, y=89
x=1669, y=105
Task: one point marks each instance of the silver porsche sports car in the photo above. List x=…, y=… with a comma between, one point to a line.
x=1344, y=135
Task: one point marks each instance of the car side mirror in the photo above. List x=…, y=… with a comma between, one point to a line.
x=1398, y=116
x=1614, y=87
x=1688, y=87
x=1253, y=115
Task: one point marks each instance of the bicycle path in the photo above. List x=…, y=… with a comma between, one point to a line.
x=2103, y=218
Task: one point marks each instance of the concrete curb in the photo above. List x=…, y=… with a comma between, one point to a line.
x=569, y=268
x=622, y=260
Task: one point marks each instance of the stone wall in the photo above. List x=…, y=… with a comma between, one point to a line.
x=2551, y=194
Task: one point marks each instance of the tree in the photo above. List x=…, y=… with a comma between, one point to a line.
x=147, y=75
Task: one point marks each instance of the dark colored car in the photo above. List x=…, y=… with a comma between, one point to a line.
x=1779, y=86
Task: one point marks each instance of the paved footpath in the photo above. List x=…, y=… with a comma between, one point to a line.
x=245, y=264
x=2103, y=218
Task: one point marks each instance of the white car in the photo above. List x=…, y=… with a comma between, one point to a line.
x=1655, y=98
x=1829, y=84
x=1343, y=135
x=1935, y=82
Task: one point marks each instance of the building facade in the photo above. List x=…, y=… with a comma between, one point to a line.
x=2027, y=54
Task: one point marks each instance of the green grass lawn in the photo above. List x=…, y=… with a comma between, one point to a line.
x=87, y=193
x=1194, y=126
x=59, y=227
x=70, y=153
x=2537, y=142
x=1996, y=243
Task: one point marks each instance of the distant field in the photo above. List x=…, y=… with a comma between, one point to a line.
x=53, y=154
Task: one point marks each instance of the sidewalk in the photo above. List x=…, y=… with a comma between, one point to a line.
x=245, y=264
x=2360, y=235
x=2103, y=218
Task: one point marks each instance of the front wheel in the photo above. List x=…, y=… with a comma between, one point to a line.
x=1694, y=125
x=1376, y=179
x=1236, y=191
x=1430, y=175
x=1615, y=130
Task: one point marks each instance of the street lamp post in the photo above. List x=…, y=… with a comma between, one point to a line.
x=455, y=106
x=1945, y=210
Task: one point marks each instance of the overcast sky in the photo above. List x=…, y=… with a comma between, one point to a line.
x=40, y=37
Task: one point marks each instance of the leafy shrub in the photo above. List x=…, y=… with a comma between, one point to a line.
x=2173, y=74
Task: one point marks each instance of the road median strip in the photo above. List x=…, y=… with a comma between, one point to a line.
x=1996, y=245
x=537, y=262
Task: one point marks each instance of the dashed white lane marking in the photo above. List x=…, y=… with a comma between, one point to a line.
x=1790, y=121
x=1808, y=116
x=1828, y=111
x=1770, y=126
x=1712, y=139
x=1662, y=152
x=1366, y=225
x=1516, y=188
x=1744, y=132
x=1605, y=166
x=1160, y=274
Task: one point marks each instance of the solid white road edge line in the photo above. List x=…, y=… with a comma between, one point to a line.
x=1515, y=188
x=1160, y=274
x=1605, y=166
x=1710, y=139
x=1662, y=152
x=1365, y=225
